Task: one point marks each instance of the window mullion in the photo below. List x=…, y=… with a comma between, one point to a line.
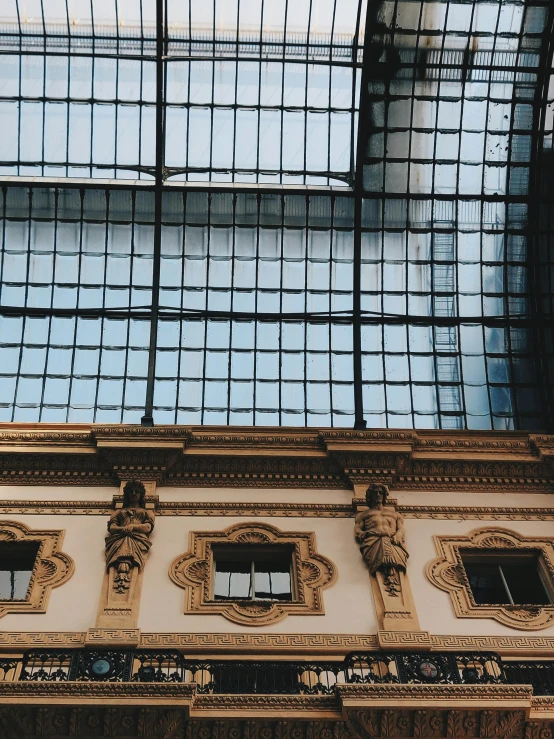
x=252, y=581
x=505, y=583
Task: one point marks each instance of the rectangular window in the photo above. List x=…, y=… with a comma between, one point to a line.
x=17, y=561
x=506, y=580
x=252, y=573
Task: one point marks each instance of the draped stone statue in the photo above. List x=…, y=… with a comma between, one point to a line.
x=128, y=543
x=126, y=548
x=379, y=532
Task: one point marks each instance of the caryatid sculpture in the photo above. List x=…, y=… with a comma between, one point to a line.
x=379, y=532
x=128, y=542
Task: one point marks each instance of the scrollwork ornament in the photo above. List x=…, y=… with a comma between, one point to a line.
x=448, y=573
x=312, y=572
x=52, y=567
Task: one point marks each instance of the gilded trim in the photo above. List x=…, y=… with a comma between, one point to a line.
x=448, y=573
x=285, y=510
x=286, y=644
x=312, y=572
x=269, y=458
x=52, y=567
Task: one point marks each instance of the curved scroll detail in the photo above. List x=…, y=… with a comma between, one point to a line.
x=52, y=567
x=311, y=571
x=448, y=573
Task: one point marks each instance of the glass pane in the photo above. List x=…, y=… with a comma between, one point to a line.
x=273, y=580
x=14, y=584
x=525, y=584
x=486, y=583
x=233, y=580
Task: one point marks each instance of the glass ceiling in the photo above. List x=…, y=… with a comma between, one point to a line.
x=277, y=213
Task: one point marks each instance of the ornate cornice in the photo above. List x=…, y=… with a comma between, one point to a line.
x=285, y=510
x=284, y=457
x=264, y=703
x=347, y=694
x=375, y=692
x=97, y=691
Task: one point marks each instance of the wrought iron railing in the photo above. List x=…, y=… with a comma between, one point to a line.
x=282, y=677
x=538, y=674
x=445, y=667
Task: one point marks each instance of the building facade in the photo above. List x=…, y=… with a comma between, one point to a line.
x=276, y=369
x=258, y=588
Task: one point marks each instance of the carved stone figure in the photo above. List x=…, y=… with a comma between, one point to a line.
x=380, y=533
x=128, y=543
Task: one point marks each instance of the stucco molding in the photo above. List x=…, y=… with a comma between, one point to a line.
x=312, y=572
x=278, y=510
x=284, y=458
x=263, y=703
x=418, y=692
x=52, y=567
x=447, y=572
x=173, y=722
x=312, y=644
x=94, y=691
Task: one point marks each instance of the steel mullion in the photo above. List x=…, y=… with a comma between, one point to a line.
x=280, y=324
x=235, y=106
x=507, y=226
x=481, y=215
x=232, y=297
x=433, y=220
x=258, y=107
x=536, y=298
x=148, y=418
x=182, y=294
x=330, y=303
x=330, y=91
x=408, y=222
x=305, y=326
x=358, y=187
x=464, y=82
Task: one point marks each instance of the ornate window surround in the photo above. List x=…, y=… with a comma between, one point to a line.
x=52, y=567
x=193, y=571
x=448, y=573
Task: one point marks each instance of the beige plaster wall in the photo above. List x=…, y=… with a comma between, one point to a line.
x=434, y=606
x=57, y=492
x=475, y=499
x=72, y=606
x=348, y=602
x=248, y=495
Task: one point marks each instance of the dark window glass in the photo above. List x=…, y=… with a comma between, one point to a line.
x=17, y=562
x=250, y=573
x=494, y=581
x=525, y=584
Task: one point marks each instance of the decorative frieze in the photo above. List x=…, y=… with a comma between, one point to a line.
x=328, y=458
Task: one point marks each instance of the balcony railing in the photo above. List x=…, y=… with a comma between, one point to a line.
x=276, y=677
